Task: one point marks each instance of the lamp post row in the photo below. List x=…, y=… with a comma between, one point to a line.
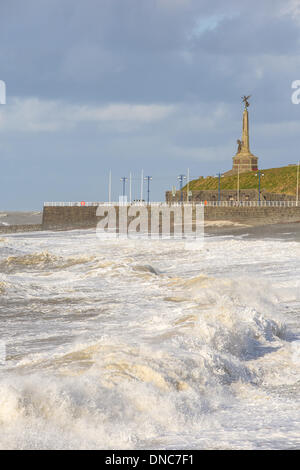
x=182, y=177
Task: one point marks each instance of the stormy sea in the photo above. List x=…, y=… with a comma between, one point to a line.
x=122, y=344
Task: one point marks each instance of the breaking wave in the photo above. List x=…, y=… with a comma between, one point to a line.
x=41, y=260
x=131, y=348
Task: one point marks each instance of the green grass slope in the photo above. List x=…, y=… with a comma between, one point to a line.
x=275, y=180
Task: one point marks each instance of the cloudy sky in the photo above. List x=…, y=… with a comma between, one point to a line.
x=128, y=85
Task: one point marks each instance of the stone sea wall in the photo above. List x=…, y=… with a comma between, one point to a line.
x=81, y=217
x=67, y=218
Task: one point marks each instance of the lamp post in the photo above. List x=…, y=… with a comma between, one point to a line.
x=181, y=178
x=148, y=179
x=123, y=179
x=259, y=174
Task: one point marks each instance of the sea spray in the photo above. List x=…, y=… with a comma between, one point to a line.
x=140, y=345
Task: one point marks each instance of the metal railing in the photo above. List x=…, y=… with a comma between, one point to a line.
x=71, y=204
x=250, y=203
x=114, y=203
x=164, y=204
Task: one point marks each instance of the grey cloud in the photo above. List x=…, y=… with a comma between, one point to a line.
x=194, y=57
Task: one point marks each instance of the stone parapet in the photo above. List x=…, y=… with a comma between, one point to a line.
x=227, y=195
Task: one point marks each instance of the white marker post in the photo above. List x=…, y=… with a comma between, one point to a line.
x=297, y=190
x=188, y=185
x=238, y=184
x=142, y=185
x=130, y=179
x=109, y=187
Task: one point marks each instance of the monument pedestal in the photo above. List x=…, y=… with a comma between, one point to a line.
x=244, y=161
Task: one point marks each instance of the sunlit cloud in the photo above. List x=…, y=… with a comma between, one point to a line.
x=35, y=115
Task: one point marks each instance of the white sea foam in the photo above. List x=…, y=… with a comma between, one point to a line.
x=139, y=345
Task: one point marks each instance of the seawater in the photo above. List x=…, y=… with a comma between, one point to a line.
x=123, y=344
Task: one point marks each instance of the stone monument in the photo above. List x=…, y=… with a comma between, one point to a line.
x=244, y=160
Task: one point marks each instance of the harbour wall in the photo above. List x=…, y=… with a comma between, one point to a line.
x=69, y=217
x=85, y=216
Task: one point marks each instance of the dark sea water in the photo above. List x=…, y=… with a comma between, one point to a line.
x=20, y=218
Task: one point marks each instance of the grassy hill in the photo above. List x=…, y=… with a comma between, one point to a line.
x=275, y=180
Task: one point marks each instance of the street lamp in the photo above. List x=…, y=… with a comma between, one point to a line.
x=219, y=176
x=259, y=174
x=123, y=179
x=181, y=178
x=148, y=179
